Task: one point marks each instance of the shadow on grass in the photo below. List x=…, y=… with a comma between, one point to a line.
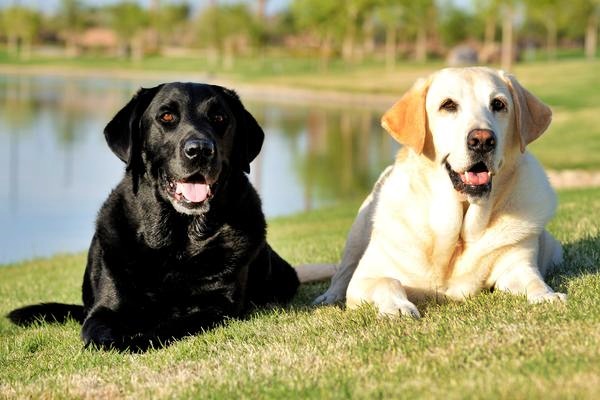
x=581, y=258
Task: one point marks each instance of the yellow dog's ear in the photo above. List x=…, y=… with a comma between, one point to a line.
x=406, y=121
x=532, y=117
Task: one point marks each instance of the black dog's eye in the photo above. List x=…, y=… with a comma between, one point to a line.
x=218, y=118
x=449, y=105
x=167, y=117
x=498, y=105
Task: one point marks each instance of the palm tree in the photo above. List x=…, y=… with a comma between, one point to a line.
x=72, y=22
x=128, y=20
x=588, y=13
x=21, y=25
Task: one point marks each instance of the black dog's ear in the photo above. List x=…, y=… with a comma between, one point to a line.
x=255, y=137
x=249, y=135
x=123, y=133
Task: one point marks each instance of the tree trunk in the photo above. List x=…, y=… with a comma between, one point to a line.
x=26, y=49
x=212, y=55
x=228, y=54
x=390, y=47
x=71, y=50
x=325, y=52
x=421, y=44
x=137, y=48
x=591, y=37
x=12, y=44
x=369, y=42
x=489, y=34
x=348, y=43
x=507, y=40
x=348, y=47
x=261, y=10
x=551, y=39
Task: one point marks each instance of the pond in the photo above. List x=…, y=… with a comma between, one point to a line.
x=57, y=170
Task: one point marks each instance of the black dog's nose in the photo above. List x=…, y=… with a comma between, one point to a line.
x=481, y=141
x=199, y=148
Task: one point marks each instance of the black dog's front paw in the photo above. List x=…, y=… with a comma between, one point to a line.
x=98, y=335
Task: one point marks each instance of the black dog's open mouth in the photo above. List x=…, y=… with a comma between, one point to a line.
x=475, y=181
x=191, y=191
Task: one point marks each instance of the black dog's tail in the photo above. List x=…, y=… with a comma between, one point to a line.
x=46, y=312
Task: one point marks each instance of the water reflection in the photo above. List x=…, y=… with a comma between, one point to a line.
x=58, y=170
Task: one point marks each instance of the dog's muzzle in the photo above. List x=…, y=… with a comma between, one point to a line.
x=476, y=181
x=481, y=141
x=199, y=149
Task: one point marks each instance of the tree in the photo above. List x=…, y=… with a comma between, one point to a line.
x=421, y=18
x=353, y=17
x=456, y=25
x=21, y=26
x=587, y=13
x=320, y=18
x=72, y=21
x=548, y=13
x=170, y=21
x=508, y=16
x=489, y=12
x=128, y=19
x=334, y=27
x=227, y=30
x=390, y=13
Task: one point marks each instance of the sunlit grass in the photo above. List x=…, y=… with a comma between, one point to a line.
x=491, y=346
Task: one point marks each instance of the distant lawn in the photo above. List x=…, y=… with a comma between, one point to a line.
x=491, y=346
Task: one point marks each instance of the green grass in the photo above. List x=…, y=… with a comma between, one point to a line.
x=491, y=346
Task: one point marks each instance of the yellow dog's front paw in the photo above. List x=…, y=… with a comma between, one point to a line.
x=549, y=297
x=402, y=307
x=386, y=294
x=390, y=299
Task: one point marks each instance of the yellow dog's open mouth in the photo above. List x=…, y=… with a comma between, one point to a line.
x=477, y=175
x=475, y=181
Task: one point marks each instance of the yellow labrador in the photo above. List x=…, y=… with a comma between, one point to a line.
x=463, y=208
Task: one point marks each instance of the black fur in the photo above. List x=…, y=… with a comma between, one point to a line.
x=160, y=267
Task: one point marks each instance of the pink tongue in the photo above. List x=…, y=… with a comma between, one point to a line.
x=475, y=178
x=194, y=192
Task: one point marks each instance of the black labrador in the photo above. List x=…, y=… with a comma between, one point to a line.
x=180, y=244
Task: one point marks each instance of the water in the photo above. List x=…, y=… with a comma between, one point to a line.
x=56, y=170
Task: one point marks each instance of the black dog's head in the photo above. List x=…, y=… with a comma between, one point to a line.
x=187, y=138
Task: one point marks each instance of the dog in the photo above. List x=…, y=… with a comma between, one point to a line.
x=180, y=243
x=465, y=205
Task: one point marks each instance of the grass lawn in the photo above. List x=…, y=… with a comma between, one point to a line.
x=491, y=346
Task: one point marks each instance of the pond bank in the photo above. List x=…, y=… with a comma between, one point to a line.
x=574, y=178
x=250, y=91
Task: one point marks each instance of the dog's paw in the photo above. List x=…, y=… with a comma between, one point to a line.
x=401, y=307
x=548, y=297
x=329, y=297
x=389, y=297
x=98, y=335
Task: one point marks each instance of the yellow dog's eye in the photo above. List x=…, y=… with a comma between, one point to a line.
x=167, y=117
x=449, y=105
x=498, y=105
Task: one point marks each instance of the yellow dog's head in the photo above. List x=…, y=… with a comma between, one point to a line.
x=469, y=121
